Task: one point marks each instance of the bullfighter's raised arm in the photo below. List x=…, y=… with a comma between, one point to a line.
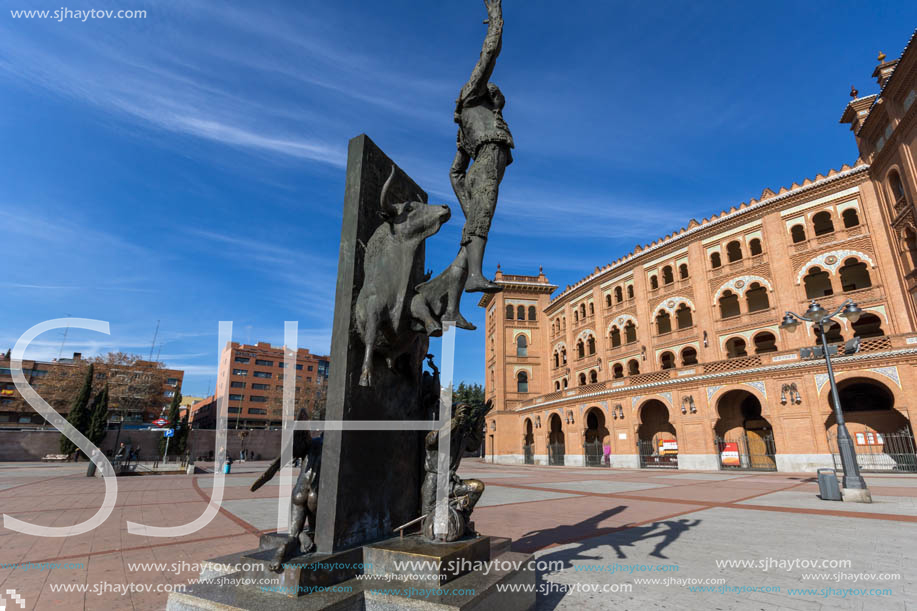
x=491, y=49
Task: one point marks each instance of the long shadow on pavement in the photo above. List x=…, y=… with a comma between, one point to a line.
x=667, y=531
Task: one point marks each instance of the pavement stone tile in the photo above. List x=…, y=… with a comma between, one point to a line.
x=579, y=517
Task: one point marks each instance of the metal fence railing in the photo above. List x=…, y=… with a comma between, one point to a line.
x=880, y=452
x=593, y=454
x=652, y=457
x=748, y=451
x=556, y=454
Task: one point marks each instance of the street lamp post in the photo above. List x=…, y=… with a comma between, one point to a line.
x=853, y=483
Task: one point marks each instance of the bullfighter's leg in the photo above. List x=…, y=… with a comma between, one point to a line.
x=297, y=518
x=458, y=271
x=366, y=375
x=421, y=311
x=481, y=188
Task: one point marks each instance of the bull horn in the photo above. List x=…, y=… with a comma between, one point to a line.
x=387, y=210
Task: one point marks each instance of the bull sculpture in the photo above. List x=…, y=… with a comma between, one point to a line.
x=382, y=315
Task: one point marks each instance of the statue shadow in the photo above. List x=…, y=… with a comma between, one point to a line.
x=585, y=547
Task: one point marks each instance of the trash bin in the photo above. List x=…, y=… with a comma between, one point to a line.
x=91, y=469
x=828, y=487
x=227, y=467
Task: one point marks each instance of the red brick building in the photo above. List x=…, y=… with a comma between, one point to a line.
x=673, y=355
x=252, y=378
x=139, y=390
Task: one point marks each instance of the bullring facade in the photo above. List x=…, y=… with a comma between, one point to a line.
x=672, y=356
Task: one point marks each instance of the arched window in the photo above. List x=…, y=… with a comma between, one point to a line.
x=593, y=376
x=582, y=310
x=851, y=218
x=633, y=367
x=654, y=282
x=683, y=271
x=522, y=346
x=556, y=359
x=735, y=347
x=833, y=334
x=618, y=370
x=563, y=322
x=869, y=325
x=630, y=291
x=575, y=315
x=663, y=323
x=520, y=312
x=522, y=382
x=590, y=345
x=683, y=316
x=580, y=349
x=619, y=296
x=688, y=356
x=556, y=385
x=591, y=308
x=715, y=260
x=630, y=332
x=729, y=305
x=531, y=312
x=817, y=283
x=754, y=247
x=509, y=312
x=733, y=251
x=582, y=379
x=565, y=382
x=757, y=299
x=899, y=197
x=667, y=360
x=615, y=336
x=563, y=356
x=854, y=275
x=667, y=276
x=798, y=233
x=822, y=223
x=765, y=342
x=607, y=301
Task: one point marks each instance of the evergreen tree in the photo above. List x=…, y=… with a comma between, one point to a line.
x=79, y=413
x=98, y=422
x=181, y=434
x=472, y=394
x=172, y=417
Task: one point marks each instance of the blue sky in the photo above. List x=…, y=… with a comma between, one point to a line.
x=189, y=167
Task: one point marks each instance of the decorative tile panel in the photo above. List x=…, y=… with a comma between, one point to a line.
x=889, y=372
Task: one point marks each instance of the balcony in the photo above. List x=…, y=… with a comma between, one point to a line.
x=863, y=297
x=584, y=322
x=613, y=352
x=590, y=360
x=749, y=319
x=675, y=335
x=733, y=365
x=836, y=236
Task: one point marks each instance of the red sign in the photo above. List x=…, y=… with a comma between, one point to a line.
x=161, y=422
x=668, y=447
x=729, y=454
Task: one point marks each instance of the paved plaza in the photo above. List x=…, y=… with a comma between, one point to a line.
x=615, y=539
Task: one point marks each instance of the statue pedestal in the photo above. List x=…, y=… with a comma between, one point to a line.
x=414, y=561
x=431, y=584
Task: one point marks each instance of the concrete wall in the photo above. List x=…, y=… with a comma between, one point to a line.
x=33, y=445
